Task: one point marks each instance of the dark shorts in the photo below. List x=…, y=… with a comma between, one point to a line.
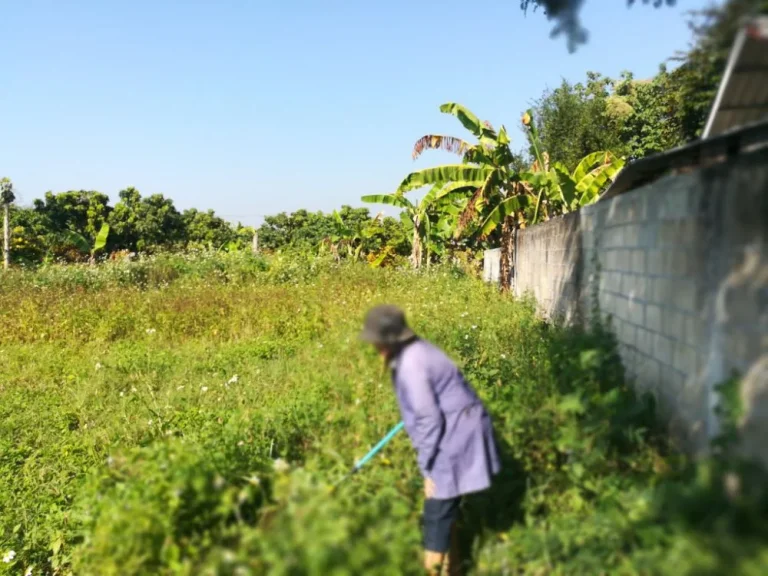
x=439, y=516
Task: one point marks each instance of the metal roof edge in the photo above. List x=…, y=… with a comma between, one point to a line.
x=753, y=27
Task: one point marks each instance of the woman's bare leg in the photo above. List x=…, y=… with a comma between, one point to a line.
x=433, y=562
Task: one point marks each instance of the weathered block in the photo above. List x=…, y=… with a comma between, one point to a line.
x=684, y=359
x=644, y=341
x=648, y=371
x=674, y=203
x=662, y=290
x=638, y=261
x=685, y=295
x=630, y=235
x=630, y=285
x=673, y=325
x=636, y=313
x=662, y=349
x=624, y=258
x=653, y=318
x=622, y=307
x=656, y=262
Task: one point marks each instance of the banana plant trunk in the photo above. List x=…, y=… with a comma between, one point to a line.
x=6, y=237
x=416, y=247
x=508, y=229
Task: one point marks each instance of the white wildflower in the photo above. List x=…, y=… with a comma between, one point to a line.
x=180, y=387
x=203, y=388
x=98, y=367
x=474, y=327
x=149, y=422
x=133, y=388
x=233, y=380
x=503, y=356
x=466, y=336
x=357, y=402
x=228, y=556
x=254, y=480
x=122, y=394
x=241, y=443
x=28, y=572
x=281, y=465
x=218, y=482
x=151, y=330
x=9, y=556
x=110, y=460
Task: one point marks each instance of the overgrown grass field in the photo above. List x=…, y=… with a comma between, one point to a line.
x=187, y=415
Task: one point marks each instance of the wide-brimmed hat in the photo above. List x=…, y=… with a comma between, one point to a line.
x=386, y=325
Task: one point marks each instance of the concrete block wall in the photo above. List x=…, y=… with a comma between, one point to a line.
x=681, y=268
x=492, y=265
x=548, y=263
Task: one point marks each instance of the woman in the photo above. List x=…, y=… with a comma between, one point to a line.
x=446, y=422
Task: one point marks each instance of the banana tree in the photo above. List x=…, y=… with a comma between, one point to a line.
x=344, y=237
x=590, y=177
x=417, y=216
x=487, y=172
x=558, y=191
x=81, y=243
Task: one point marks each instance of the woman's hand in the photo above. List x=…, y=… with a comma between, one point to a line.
x=429, y=488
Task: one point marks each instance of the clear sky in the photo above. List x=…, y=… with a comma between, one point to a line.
x=252, y=107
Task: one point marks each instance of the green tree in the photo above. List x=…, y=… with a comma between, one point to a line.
x=636, y=117
x=81, y=211
x=205, y=229
x=145, y=223
x=386, y=238
x=299, y=229
x=30, y=235
x=307, y=230
x=574, y=120
x=647, y=114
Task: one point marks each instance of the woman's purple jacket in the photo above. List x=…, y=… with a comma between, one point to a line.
x=446, y=421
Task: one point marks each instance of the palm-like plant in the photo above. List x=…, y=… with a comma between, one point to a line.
x=417, y=216
x=486, y=172
x=344, y=237
x=81, y=242
x=558, y=191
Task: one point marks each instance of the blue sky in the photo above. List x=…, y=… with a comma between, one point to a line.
x=254, y=108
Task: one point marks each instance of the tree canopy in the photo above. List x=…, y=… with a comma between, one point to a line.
x=635, y=117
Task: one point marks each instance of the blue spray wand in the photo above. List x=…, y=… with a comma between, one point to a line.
x=375, y=450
